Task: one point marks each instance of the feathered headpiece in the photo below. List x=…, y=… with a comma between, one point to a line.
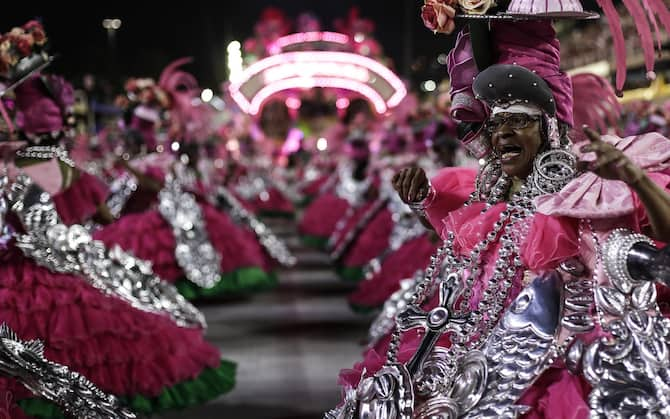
x=190, y=118
x=595, y=103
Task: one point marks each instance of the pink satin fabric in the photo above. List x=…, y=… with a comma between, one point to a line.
x=589, y=196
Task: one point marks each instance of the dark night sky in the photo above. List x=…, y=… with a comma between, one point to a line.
x=155, y=33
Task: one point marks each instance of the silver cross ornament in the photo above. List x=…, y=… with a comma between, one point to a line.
x=436, y=322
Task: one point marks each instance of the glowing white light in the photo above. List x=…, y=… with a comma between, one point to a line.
x=234, y=46
x=111, y=24
x=342, y=80
x=310, y=83
x=322, y=144
x=293, y=102
x=442, y=59
x=482, y=162
x=429, y=86
x=233, y=144
x=312, y=69
x=359, y=37
x=302, y=37
x=235, y=61
x=160, y=148
x=342, y=103
x=174, y=146
x=206, y=95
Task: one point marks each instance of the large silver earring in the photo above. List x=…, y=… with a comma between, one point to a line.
x=552, y=170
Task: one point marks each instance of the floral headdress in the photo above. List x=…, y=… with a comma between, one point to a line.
x=145, y=91
x=22, y=50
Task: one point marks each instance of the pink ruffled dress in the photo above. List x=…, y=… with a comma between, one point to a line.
x=370, y=243
x=320, y=218
x=553, y=237
x=144, y=358
x=79, y=203
x=412, y=256
x=319, y=222
x=147, y=235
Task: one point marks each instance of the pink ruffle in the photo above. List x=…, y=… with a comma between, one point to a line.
x=315, y=186
x=238, y=247
x=403, y=263
x=276, y=202
x=550, y=241
x=123, y=350
x=352, y=221
x=321, y=216
x=452, y=187
x=78, y=203
x=589, y=196
x=372, y=240
x=557, y=394
x=374, y=358
x=148, y=236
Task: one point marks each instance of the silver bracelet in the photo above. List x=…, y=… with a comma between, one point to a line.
x=419, y=207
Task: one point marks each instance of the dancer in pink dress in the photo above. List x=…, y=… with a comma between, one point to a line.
x=221, y=257
x=151, y=355
x=342, y=199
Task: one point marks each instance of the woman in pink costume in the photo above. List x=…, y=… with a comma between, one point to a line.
x=145, y=357
x=533, y=313
x=235, y=261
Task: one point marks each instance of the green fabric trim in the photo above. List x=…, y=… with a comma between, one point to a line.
x=315, y=241
x=40, y=408
x=303, y=203
x=241, y=281
x=350, y=273
x=208, y=385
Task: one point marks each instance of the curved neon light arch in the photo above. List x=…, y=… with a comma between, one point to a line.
x=308, y=69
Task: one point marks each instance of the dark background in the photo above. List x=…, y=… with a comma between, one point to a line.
x=155, y=33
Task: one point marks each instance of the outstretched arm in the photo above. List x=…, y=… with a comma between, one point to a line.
x=612, y=163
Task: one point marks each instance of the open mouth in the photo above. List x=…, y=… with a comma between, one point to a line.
x=509, y=152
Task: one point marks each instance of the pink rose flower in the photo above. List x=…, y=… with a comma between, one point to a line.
x=23, y=44
x=38, y=35
x=32, y=24
x=438, y=16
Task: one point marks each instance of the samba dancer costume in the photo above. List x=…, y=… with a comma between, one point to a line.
x=100, y=312
x=188, y=240
x=539, y=309
x=341, y=198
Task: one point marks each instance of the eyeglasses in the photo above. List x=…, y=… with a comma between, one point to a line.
x=514, y=121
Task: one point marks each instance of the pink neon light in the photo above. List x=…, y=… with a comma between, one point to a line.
x=319, y=56
x=342, y=103
x=293, y=102
x=302, y=37
x=311, y=82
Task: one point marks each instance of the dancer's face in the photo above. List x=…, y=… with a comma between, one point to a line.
x=516, y=140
